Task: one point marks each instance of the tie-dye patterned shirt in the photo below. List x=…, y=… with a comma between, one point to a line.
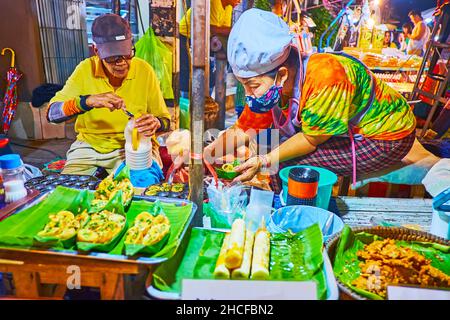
x=336, y=88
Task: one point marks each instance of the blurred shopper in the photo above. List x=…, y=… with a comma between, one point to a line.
x=419, y=36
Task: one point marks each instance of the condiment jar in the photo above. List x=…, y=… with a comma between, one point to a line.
x=13, y=178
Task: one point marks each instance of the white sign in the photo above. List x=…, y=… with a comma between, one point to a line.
x=414, y=293
x=248, y=290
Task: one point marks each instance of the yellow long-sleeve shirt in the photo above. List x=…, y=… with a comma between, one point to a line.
x=101, y=128
x=219, y=17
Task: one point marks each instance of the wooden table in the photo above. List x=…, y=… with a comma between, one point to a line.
x=39, y=274
x=357, y=212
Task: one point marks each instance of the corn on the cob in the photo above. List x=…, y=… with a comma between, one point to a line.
x=221, y=271
x=243, y=271
x=261, y=251
x=235, y=252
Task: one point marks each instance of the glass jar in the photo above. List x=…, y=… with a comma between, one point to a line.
x=13, y=177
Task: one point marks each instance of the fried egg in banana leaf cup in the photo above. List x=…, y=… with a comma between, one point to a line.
x=105, y=227
x=110, y=186
x=62, y=228
x=149, y=233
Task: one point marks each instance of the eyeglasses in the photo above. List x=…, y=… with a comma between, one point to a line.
x=117, y=59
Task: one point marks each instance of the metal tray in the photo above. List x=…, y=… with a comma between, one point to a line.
x=332, y=288
x=101, y=255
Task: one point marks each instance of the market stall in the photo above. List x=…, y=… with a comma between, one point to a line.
x=199, y=234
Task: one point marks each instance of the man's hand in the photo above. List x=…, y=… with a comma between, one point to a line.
x=147, y=124
x=105, y=100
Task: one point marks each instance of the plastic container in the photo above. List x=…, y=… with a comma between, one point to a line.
x=302, y=187
x=141, y=158
x=13, y=177
x=326, y=181
x=297, y=218
x=440, y=221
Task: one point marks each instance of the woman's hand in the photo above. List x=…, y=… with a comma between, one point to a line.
x=105, y=100
x=147, y=124
x=249, y=169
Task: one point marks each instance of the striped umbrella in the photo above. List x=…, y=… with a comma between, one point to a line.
x=10, y=98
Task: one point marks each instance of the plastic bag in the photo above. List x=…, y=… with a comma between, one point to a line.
x=227, y=202
x=159, y=56
x=31, y=172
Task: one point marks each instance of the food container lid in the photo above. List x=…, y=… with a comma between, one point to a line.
x=304, y=175
x=10, y=161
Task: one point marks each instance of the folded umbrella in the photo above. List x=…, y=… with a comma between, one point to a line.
x=10, y=98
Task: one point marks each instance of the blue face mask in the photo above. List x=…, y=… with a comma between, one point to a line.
x=267, y=101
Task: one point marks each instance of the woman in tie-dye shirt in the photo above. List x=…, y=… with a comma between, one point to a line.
x=338, y=115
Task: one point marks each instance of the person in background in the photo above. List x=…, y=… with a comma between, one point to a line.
x=402, y=42
x=387, y=42
x=96, y=92
x=419, y=36
x=221, y=12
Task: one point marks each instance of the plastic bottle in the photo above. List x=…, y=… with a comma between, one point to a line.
x=141, y=158
x=13, y=178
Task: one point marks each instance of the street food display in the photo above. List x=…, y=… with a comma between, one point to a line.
x=64, y=225
x=375, y=59
x=244, y=254
x=107, y=189
x=102, y=227
x=368, y=261
x=176, y=190
x=148, y=229
x=386, y=263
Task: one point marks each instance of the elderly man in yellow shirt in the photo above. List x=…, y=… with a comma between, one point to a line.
x=96, y=92
x=221, y=12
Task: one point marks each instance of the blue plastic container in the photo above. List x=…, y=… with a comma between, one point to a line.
x=326, y=181
x=298, y=218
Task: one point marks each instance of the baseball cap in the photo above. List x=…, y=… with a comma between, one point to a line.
x=112, y=36
x=259, y=42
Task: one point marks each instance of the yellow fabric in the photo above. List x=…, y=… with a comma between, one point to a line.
x=83, y=159
x=219, y=17
x=99, y=127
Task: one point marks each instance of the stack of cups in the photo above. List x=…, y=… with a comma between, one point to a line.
x=141, y=158
x=303, y=184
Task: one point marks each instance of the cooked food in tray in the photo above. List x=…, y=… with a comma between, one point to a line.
x=102, y=227
x=385, y=263
x=108, y=188
x=175, y=190
x=148, y=229
x=64, y=225
x=244, y=254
